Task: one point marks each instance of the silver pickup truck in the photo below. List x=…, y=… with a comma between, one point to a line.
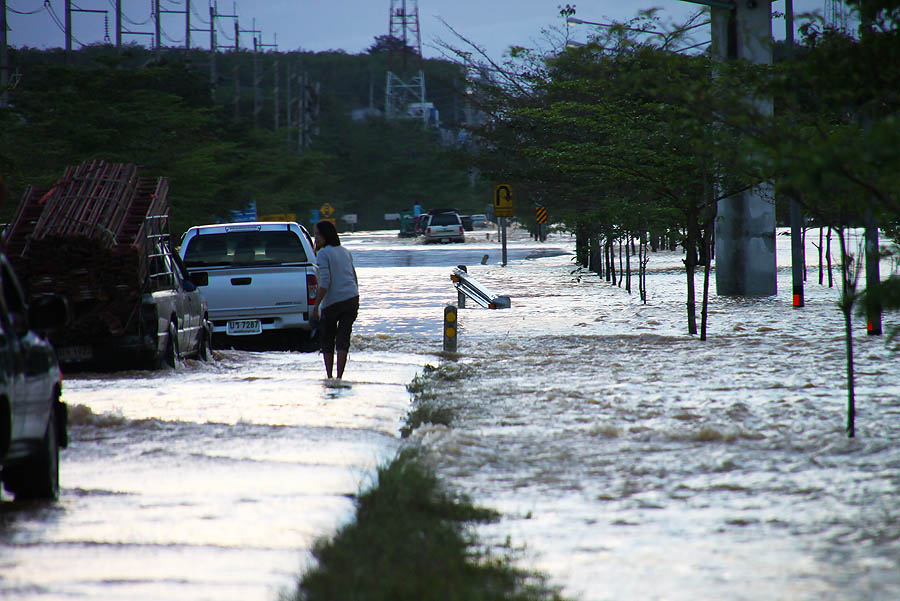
x=259, y=280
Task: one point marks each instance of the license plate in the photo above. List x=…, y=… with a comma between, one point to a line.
x=445, y=240
x=244, y=327
x=74, y=354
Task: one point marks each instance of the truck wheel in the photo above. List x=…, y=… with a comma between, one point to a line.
x=172, y=356
x=38, y=477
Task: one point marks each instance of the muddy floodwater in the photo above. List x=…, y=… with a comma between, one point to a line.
x=631, y=461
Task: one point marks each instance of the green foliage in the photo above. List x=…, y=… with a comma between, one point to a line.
x=408, y=542
x=126, y=107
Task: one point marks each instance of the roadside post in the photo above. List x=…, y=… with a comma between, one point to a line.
x=540, y=216
x=503, y=208
x=450, y=329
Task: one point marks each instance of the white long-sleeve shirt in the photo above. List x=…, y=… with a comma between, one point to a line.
x=336, y=274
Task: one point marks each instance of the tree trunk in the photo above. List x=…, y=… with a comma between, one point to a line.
x=803, y=244
x=610, y=263
x=628, y=269
x=828, y=258
x=821, y=272
x=621, y=271
x=848, y=297
x=583, y=246
x=704, y=310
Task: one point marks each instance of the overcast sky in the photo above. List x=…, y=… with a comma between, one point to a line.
x=317, y=25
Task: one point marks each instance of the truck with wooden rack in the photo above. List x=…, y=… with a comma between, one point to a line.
x=99, y=237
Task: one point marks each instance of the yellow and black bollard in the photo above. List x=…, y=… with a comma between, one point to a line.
x=450, y=329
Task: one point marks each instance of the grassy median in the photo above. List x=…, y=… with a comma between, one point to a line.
x=412, y=540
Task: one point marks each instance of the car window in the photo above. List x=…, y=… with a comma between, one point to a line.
x=444, y=219
x=245, y=248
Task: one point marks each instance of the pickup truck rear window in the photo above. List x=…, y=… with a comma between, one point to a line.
x=247, y=248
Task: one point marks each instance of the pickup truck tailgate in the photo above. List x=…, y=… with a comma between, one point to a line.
x=238, y=292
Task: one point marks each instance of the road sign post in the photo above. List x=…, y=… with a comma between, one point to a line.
x=540, y=216
x=503, y=208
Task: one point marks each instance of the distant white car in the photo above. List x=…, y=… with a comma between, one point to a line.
x=480, y=221
x=256, y=277
x=444, y=226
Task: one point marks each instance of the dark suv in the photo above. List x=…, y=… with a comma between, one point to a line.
x=33, y=420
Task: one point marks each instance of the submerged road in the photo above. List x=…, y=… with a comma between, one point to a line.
x=631, y=461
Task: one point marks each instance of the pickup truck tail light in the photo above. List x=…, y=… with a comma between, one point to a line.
x=312, y=288
x=428, y=231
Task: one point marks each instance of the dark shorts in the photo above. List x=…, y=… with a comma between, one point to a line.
x=337, y=323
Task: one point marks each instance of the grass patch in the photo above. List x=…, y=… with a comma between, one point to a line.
x=410, y=542
x=427, y=407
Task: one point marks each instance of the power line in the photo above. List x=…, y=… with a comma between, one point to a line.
x=198, y=15
x=26, y=12
x=128, y=19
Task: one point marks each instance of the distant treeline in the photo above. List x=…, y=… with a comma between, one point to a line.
x=242, y=139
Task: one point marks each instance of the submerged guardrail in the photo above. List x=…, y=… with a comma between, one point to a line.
x=467, y=286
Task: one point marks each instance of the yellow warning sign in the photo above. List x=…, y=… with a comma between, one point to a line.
x=503, y=201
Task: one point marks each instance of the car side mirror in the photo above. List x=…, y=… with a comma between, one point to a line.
x=188, y=285
x=48, y=312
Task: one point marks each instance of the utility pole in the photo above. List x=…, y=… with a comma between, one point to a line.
x=187, y=28
x=745, y=222
x=258, y=45
x=309, y=111
x=213, y=48
x=302, y=116
x=187, y=24
x=288, y=85
x=158, y=37
x=68, y=32
x=256, y=104
x=120, y=31
x=213, y=78
x=237, y=48
x=4, y=60
x=798, y=253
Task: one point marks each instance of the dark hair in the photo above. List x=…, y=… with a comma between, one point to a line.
x=329, y=232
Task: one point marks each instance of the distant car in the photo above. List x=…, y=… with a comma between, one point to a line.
x=480, y=221
x=467, y=222
x=258, y=278
x=444, y=226
x=33, y=419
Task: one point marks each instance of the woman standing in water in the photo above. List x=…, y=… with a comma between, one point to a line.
x=338, y=296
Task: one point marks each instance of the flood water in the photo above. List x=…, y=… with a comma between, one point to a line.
x=630, y=460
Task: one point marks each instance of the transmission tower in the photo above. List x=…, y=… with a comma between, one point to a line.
x=405, y=89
